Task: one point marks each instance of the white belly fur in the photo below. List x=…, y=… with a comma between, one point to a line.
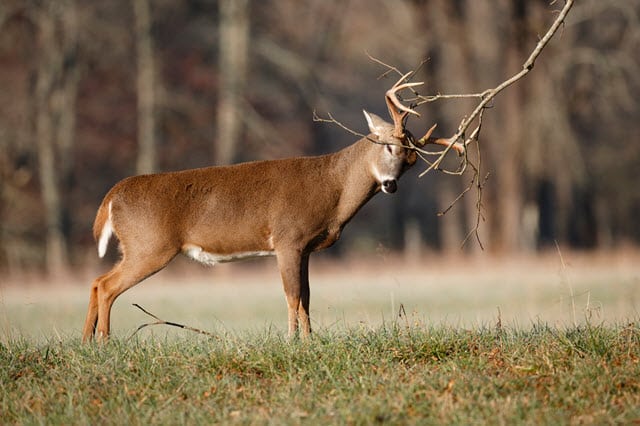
x=197, y=253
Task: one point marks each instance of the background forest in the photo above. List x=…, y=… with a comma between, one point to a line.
x=94, y=91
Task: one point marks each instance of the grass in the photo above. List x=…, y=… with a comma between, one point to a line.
x=483, y=343
x=237, y=298
x=394, y=374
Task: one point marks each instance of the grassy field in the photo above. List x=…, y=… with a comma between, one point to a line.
x=393, y=374
x=522, y=342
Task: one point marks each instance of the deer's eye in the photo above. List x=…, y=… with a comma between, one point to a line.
x=389, y=150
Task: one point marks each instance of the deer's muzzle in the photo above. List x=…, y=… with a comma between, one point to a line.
x=389, y=186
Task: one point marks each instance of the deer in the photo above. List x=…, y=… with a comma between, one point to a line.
x=287, y=208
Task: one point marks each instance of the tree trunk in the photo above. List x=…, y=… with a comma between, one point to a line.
x=510, y=197
x=451, y=55
x=55, y=95
x=147, y=152
x=48, y=69
x=66, y=95
x=232, y=64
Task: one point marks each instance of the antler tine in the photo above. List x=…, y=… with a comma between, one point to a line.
x=427, y=135
x=394, y=104
x=406, y=85
x=403, y=78
x=398, y=117
x=391, y=94
x=458, y=147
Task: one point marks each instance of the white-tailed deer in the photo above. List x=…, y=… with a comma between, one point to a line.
x=288, y=208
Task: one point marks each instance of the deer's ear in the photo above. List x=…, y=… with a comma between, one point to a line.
x=376, y=124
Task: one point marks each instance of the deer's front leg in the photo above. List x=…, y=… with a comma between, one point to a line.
x=305, y=297
x=294, y=269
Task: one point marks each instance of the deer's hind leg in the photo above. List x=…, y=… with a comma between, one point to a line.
x=92, y=312
x=128, y=272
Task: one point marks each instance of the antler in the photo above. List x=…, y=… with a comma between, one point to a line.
x=427, y=139
x=394, y=104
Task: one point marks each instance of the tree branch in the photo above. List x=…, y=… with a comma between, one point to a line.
x=163, y=322
x=489, y=94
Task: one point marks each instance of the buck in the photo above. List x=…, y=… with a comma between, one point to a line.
x=288, y=208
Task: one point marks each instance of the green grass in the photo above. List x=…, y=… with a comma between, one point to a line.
x=395, y=374
x=567, y=352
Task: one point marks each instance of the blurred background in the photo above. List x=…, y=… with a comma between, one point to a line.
x=93, y=91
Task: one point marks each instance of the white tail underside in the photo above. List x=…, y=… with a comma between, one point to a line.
x=105, y=235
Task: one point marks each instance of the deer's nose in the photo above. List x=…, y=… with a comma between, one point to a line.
x=389, y=186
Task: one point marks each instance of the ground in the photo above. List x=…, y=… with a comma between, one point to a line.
x=462, y=292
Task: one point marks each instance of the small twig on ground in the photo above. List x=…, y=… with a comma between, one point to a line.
x=163, y=322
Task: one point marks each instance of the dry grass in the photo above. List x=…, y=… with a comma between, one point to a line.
x=483, y=342
x=393, y=374
x=248, y=296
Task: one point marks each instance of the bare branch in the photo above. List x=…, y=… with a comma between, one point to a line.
x=390, y=68
x=489, y=94
x=479, y=216
x=432, y=98
x=459, y=197
x=332, y=120
x=163, y=322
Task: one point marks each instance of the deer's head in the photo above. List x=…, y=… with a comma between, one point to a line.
x=395, y=151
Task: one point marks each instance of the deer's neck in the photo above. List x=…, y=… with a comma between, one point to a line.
x=353, y=169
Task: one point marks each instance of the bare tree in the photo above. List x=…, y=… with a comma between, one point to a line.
x=233, y=47
x=145, y=88
x=567, y=132
x=54, y=103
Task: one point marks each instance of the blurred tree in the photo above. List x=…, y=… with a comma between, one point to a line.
x=54, y=104
x=18, y=250
x=233, y=47
x=559, y=146
x=450, y=68
x=145, y=88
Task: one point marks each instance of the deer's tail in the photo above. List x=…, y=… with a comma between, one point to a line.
x=103, y=227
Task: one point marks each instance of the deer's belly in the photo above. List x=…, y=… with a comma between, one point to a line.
x=197, y=253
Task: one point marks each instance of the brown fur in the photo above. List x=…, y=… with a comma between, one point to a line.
x=291, y=207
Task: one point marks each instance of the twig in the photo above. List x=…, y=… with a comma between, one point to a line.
x=479, y=215
x=458, y=198
x=390, y=68
x=432, y=98
x=332, y=120
x=163, y=322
